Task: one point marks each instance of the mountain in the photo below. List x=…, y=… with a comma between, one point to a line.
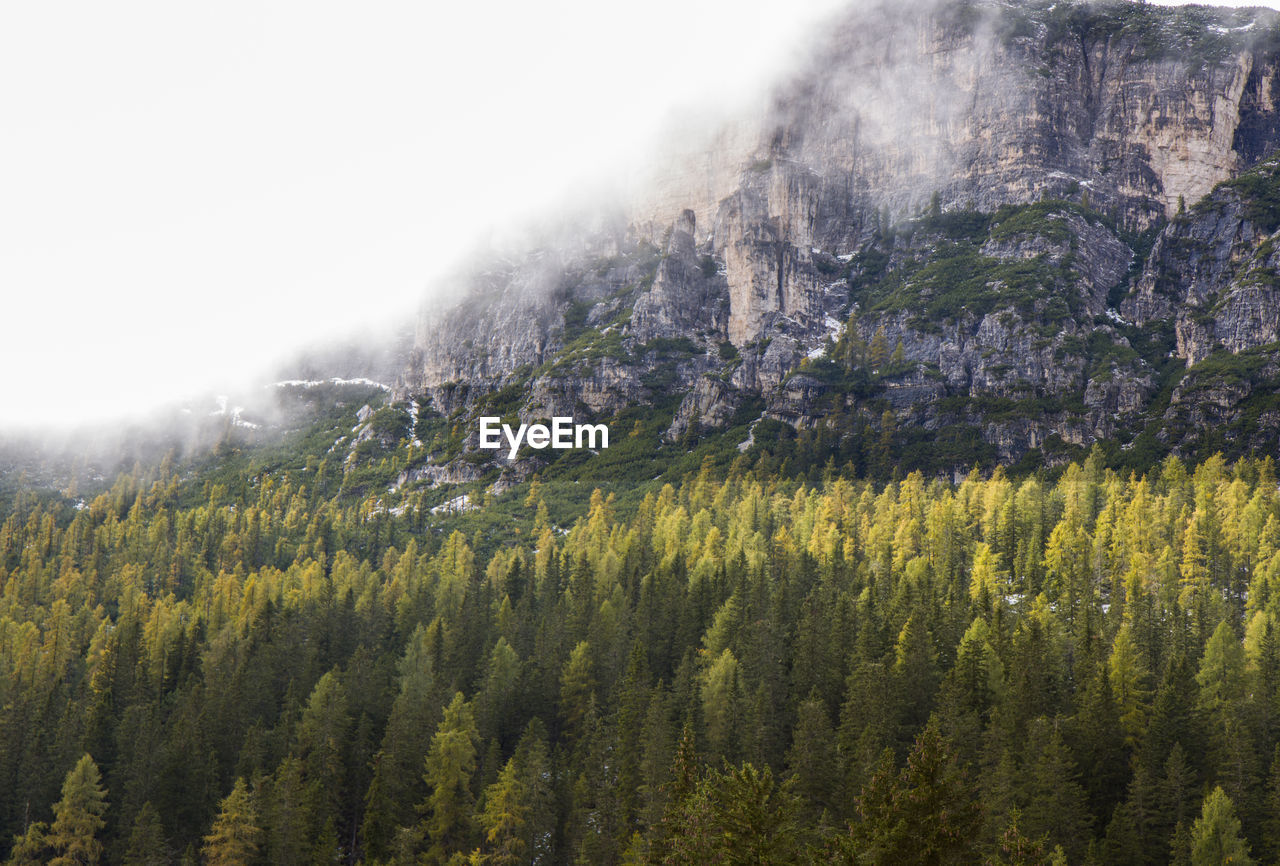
x=984, y=231
x=314, y=622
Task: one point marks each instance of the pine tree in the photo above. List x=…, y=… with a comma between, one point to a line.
x=397, y=776
x=504, y=817
x=147, y=845
x=811, y=761
x=1215, y=837
x=577, y=685
x=1016, y=849
x=235, y=836
x=1056, y=803
x=30, y=848
x=78, y=816
x=928, y=813
x=450, y=765
x=288, y=813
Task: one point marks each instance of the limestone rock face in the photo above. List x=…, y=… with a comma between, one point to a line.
x=1213, y=272
x=999, y=216
x=1192, y=259
x=766, y=231
x=1100, y=260
x=711, y=403
x=688, y=290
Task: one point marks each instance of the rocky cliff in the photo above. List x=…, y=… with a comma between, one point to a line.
x=1029, y=223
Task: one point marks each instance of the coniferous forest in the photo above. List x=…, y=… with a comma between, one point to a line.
x=737, y=668
x=928, y=512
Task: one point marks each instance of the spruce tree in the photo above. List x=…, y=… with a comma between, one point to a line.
x=1056, y=803
x=577, y=685
x=721, y=701
x=811, y=760
x=928, y=813
x=1016, y=849
x=397, y=774
x=1271, y=810
x=534, y=766
x=147, y=845
x=322, y=747
x=286, y=815
x=680, y=789
x=756, y=820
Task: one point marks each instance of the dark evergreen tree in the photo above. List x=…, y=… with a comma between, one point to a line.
x=147, y=843
x=927, y=813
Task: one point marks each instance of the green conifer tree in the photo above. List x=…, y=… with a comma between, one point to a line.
x=450, y=765
x=504, y=816
x=78, y=816
x=577, y=685
x=147, y=845
x=31, y=847
x=235, y=836
x=927, y=813
x=1216, y=839
x=1056, y=803
x=811, y=760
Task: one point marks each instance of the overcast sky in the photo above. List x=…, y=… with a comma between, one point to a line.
x=188, y=191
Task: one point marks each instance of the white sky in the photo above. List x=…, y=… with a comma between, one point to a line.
x=189, y=191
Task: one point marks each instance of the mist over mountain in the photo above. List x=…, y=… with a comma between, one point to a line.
x=916, y=503
x=975, y=220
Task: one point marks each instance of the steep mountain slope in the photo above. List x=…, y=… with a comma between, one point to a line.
x=944, y=229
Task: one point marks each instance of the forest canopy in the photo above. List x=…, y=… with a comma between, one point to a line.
x=739, y=667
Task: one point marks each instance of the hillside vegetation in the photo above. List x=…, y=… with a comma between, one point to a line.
x=734, y=666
